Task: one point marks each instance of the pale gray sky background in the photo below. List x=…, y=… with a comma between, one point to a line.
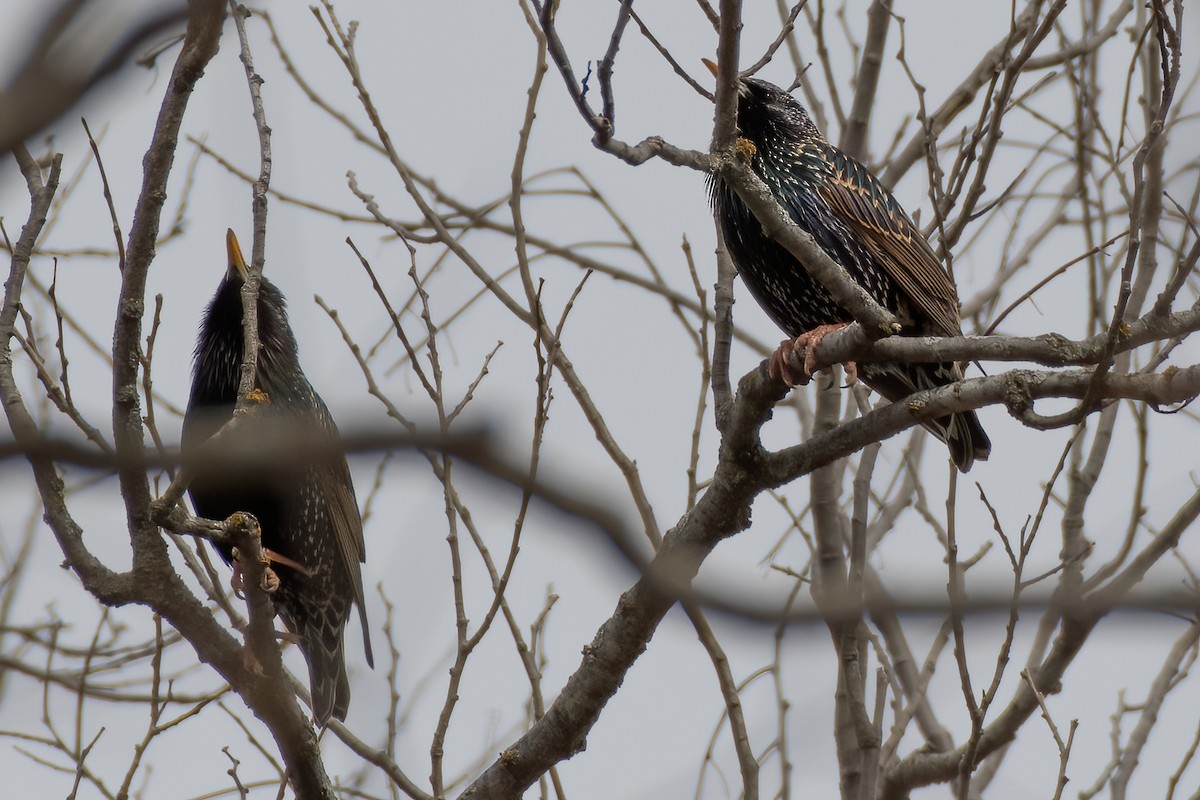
x=450, y=80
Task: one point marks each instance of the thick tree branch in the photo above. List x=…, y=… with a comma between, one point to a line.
x=200, y=45
x=721, y=512
x=1047, y=349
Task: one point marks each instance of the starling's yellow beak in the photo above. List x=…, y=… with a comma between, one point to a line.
x=237, y=264
x=712, y=67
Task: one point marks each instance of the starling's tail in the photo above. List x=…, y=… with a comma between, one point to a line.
x=327, y=678
x=961, y=432
x=317, y=617
x=965, y=437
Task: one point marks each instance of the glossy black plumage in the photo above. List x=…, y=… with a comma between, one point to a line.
x=858, y=223
x=306, y=506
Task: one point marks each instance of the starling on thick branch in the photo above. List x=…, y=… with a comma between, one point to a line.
x=858, y=223
x=306, y=507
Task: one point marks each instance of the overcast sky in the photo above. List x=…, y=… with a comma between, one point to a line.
x=450, y=80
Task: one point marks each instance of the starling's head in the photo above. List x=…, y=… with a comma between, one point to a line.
x=272, y=307
x=219, y=346
x=768, y=113
x=270, y=299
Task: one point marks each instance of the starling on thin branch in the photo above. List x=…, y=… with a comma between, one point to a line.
x=858, y=223
x=306, y=506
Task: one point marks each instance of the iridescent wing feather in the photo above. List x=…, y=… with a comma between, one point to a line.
x=858, y=198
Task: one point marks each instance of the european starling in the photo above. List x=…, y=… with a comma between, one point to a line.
x=306, y=506
x=858, y=223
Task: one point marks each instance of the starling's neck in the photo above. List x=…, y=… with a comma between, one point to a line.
x=799, y=157
x=218, y=359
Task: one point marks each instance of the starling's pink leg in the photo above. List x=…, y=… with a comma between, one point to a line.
x=780, y=364
x=287, y=562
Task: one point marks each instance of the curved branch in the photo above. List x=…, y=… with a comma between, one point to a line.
x=113, y=587
x=1048, y=349
x=48, y=85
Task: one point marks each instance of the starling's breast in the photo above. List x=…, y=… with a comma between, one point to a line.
x=781, y=285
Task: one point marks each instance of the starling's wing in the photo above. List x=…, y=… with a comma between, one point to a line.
x=347, y=526
x=861, y=201
x=334, y=473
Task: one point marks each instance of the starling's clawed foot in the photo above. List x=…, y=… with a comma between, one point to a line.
x=851, y=368
x=782, y=367
x=811, y=341
x=779, y=365
x=270, y=581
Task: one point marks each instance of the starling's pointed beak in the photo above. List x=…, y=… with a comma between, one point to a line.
x=237, y=264
x=712, y=67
